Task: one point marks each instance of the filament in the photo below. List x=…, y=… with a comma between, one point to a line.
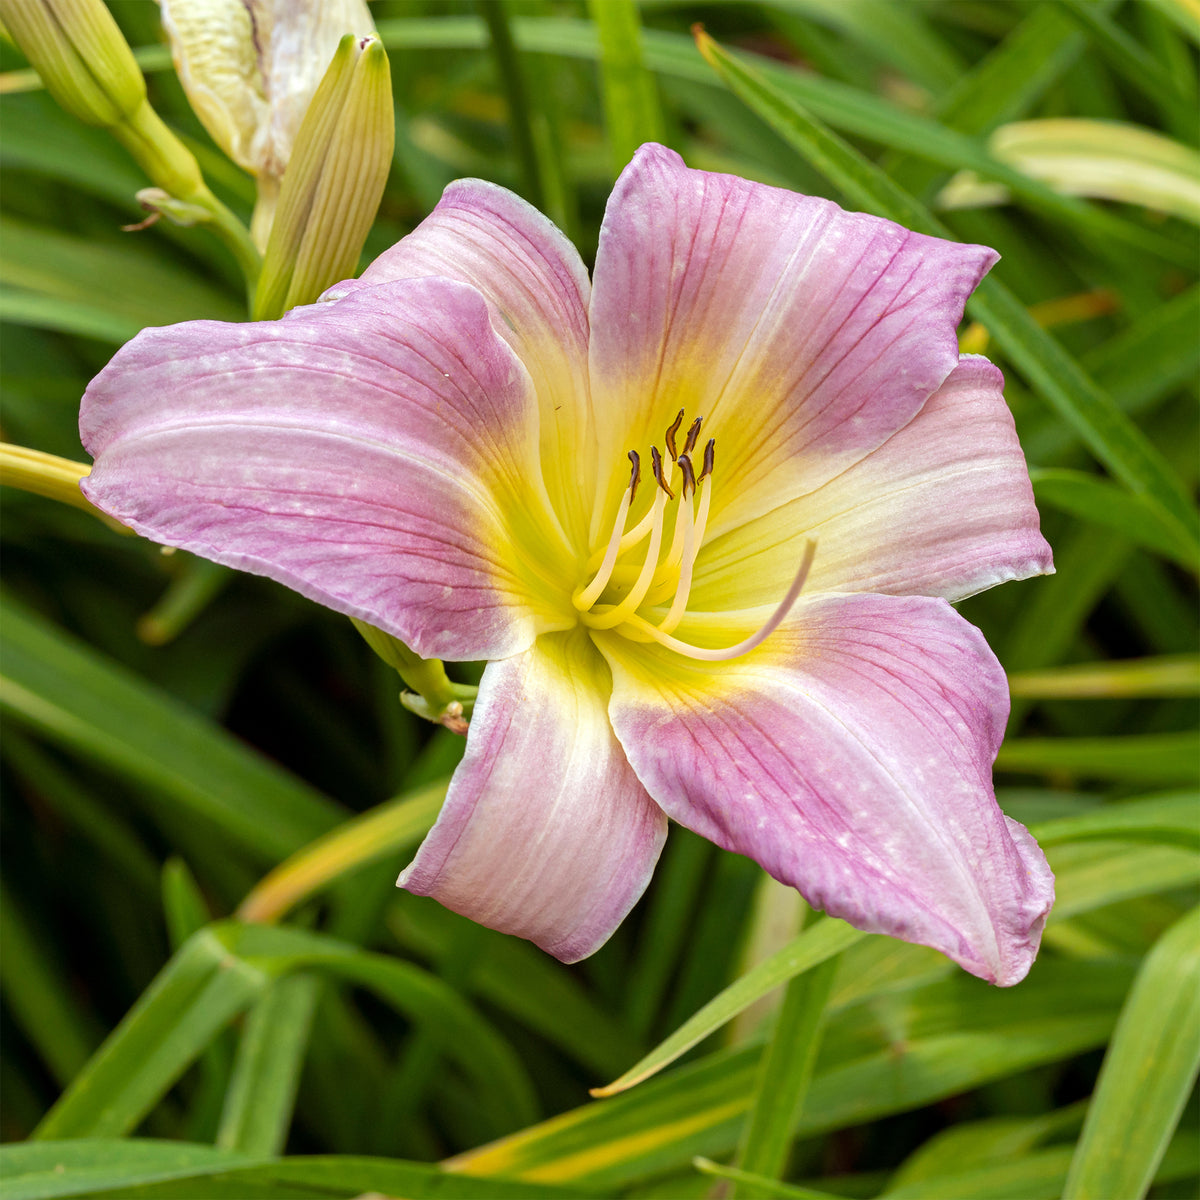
x=745, y=646
x=588, y=596
x=627, y=607
x=691, y=547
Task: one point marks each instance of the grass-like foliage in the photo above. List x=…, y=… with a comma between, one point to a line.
x=210, y=985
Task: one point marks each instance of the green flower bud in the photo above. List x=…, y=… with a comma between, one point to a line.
x=334, y=182
x=250, y=69
x=81, y=55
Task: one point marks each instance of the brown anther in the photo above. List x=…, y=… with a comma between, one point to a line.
x=689, y=475
x=657, y=467
x=692, y=434
x=671, y=432
x=635, y=476
x=709, y=456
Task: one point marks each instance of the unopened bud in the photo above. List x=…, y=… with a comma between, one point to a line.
x=81, y=56
x=333, y=185
x=250, y=69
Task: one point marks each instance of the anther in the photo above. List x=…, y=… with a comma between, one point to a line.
x=635, y=476
x=671, y=432
x=692, y=434
x=657, y=467
x=689, y=476
x=710, y=453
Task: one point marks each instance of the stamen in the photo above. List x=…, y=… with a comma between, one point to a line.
x=693, y=538
x=692, y=434
x=635, y=475
x=689, y=476
x=583, y=600
x=671, y=432
x=623, y=611
x=709, y=458
x=656, y=465
x=742, y=647
x=683, y=522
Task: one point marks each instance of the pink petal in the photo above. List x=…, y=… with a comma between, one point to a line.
x=367, y=452
x=805, y=335
x=943, y=508
x=546, y=832
x=851, y=756
x=537, y=288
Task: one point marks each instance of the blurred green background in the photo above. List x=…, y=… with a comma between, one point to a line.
x=175, y=731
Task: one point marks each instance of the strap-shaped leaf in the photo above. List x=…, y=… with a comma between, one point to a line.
x=1147, y=1075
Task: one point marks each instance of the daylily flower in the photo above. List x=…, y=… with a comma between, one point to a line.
x=704, y=516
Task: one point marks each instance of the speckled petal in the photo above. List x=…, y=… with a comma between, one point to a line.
x=942, y=508
x=546, y=832
x=378, y=454
x=851, y=756
x=805, y=335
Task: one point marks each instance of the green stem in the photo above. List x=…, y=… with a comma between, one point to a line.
x=435, y=697
x=631, y=110
x=172, y=167
x=512, y=80
x=784, y=1074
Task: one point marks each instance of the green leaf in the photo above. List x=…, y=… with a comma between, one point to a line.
x=985, y=1143
x=892, y=33
x=1170, y=675
x=1093, y=874
x=1171, y=819
x=184, y=906
x=758, y=1184
x=384, y=831
x=1107, y=432
x=1130, y=58
x=631, y=110
x=461, y=1033
x=891, y=1053
x=518, y=979
x=68, y=693
x=154, y=291
x=1147, y=1074
x=1109, y=160
x=1102, y=503
x=810, y=949
x=21, y=307
x=198, y=992
x=784, y=1074
x=1154, y=355
x=1140, y=758
x=39, y=997
x=266, y=1071
x=87, y=1167
x=1183, y=13
x=42, y=1170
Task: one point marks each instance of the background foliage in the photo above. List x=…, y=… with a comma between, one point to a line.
x=211, y=987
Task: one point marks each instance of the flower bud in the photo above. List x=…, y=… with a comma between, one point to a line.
x=81, y=56
x=334, y=182
x=250, y=69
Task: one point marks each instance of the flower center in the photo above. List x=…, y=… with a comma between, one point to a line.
x=623, y=582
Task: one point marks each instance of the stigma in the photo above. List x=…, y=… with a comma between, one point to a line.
x=643, y=594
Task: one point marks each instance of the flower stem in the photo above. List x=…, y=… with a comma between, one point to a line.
x=434, y=696
x=173, y=168
x=51, y=476
x=784, y=1073
x=512, y=80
